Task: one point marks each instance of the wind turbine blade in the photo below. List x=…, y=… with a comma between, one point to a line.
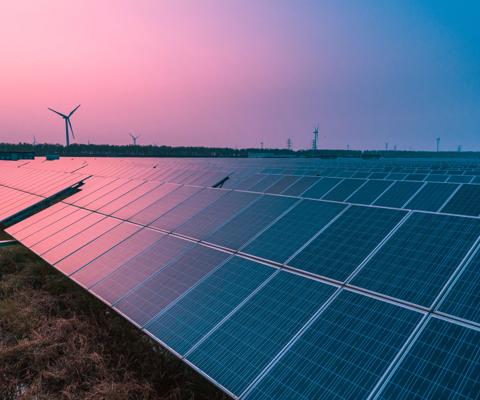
x=71, y=127
x=75, y=109
x=56, y=112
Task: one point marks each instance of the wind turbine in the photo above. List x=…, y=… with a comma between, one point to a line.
x=134, y=138
x=68, y=124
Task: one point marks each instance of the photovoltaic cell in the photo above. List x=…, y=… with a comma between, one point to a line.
x=212, y=217
x=444, y=363
x=463, y=299
x=236, y=352
x=343, y=245
x=342, y=354
x=369, y=192
x=195, y=314
x=431, y=197
x=300, y=186
x=398, y=194
x=161, y=289
x=344, y=189
x=279, y=186
x=416, y=262
x=116, y=256
x=135, y=270
x=321, y=187
x=466, y=201
x=186, y=210
x=290, y=232
x=99, y=244
x=265, y=183
x=251, y=220
x=164, y=204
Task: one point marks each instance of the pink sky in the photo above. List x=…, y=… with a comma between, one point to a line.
x=230, y=73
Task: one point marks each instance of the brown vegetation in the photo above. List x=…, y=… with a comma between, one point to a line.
x=58, y=342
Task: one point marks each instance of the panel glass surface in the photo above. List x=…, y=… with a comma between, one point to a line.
x=250, y=221
x=321, y=187
x=416, y=262
x=290, y=232
x=211, y=218
x=398, y=194
x=195, y=314
x=342, y=354
x=466, y=201
x=300, y=186
x=444, y=363
x=169, y=283
x=236, y=352
x=431, y=197
x=137, y=269
x=369, y=192
x=344, y=189
x=343, y=245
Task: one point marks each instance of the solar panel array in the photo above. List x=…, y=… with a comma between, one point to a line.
x=280, y=278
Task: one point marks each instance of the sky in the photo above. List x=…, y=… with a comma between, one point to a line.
x=237, y=73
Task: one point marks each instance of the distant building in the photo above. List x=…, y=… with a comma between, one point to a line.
x=17, y=155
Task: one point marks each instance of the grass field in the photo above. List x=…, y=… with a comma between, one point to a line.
x=59, y=342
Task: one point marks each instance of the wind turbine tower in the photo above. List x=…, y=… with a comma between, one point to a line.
x=68, y=124
x=289, y=144
x=134, y=138
x=386, y=146
x=315, y=138
x=438, y=143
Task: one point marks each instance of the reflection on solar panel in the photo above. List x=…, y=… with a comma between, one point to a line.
x=340, y=248
x=371, y=292
x=444, y=363
x=416, y=262
x=342, y=354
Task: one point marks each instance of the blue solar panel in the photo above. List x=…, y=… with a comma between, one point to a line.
x=300, y=186
x=321, y=187
x=342, y=354
x=463, y=299
x=416, y=262
x=338, y=250
x=369, y=192
x=398, y=194
x=250, y=221
x=444, y=363
x=238, y=350
x=466, y=201
x=159, y=290
x=344, y=189
x=195, y=314
x=293, y=230
x=432, y=196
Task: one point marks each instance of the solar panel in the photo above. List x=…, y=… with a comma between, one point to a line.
x=416, y=262
x=251, y=220
x=277, y=295
x=443, y=363
x=398, y=194
x=290, y=232
x=167, y=284
x=342, y=354
x=202, y=308
x=369, y=192
x=432, y=196
x=343, y=245
x=321, y=187
x=344, y=189
x=237, y=351
x=464, y=201
x=463, y=299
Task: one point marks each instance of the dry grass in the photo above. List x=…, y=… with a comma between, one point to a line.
x=58, y=342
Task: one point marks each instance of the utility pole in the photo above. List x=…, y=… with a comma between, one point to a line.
x=289, y=144
x=438, y=143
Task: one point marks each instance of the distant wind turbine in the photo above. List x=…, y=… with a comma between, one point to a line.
x=134, y=138
x=68, y=124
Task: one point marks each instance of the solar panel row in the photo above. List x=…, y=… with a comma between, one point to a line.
x=367, y=300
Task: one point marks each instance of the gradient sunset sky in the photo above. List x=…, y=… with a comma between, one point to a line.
x=235, y=73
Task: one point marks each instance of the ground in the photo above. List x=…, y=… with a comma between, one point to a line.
x=59, y=342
